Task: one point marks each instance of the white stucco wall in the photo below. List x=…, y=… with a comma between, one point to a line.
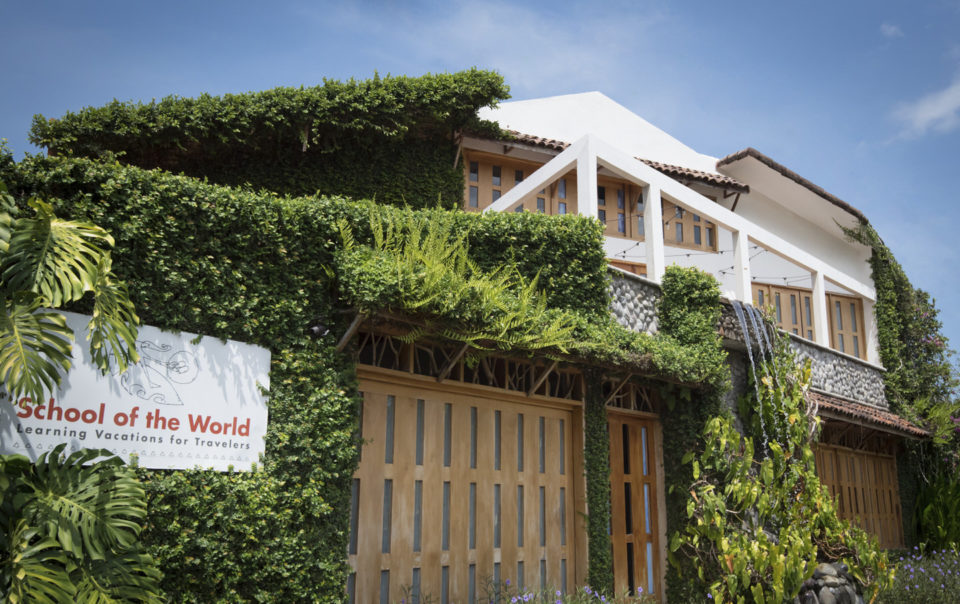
x=569, y=117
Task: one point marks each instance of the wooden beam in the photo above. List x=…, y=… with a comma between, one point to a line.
x=453, y=361
x=617, y=389
x=351, y=331
x=456, y=157
x=542, y=378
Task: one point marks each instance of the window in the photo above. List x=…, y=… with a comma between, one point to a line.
x=517, y=176
x=620, y=199
x=846, y=327
x=562, y=208
x=602, y=215
x=601, y=196
x=496, y=176
x=541, y=205
x=686, y=229
x=621, y=223
x=844, y=315
x=562, y=191
x=474, y=197
x=519, y=208
x=474, y=171
x=495, y=194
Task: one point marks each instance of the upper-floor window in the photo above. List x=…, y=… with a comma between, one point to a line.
x=517, y=176
x=562, y=189
x=684, y=228
x=601, y=195
x=496, y=176
x=792, y=310
x=474, y=171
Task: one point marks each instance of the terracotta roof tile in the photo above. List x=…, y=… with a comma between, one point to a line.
x=718, y=180
x=842, y=408
x=698, y=175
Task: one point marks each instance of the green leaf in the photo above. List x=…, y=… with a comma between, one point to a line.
x=56, y=259
x=35, y=347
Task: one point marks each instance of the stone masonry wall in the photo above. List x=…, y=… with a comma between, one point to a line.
x=633, y=302
x=831, y=372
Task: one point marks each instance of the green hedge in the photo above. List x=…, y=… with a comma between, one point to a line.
x=392, y=139
x=234, y=264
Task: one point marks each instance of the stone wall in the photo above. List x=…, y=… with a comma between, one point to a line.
x=843, y=376
x=633, y=301
x=832, y=372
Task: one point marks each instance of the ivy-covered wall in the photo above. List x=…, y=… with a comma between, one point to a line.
x=920, y=378
x=252, y=267
x=393, y=139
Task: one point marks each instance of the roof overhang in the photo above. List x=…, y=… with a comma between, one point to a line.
x=788, y=188
x=852, y=412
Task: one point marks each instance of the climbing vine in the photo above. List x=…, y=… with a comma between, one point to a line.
x=757, y=517
x=920, y=382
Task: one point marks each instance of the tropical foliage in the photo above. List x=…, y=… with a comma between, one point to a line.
x=421, y=267
x=70, y=528
x=47, y=263
x=758, y=517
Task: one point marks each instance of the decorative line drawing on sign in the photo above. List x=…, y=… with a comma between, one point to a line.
x=156, y=376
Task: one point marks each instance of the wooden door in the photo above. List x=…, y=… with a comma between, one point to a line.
x=634, y=499
x=865, y=488
x=456, y=489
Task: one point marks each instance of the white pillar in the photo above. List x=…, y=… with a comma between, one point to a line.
x=821, y=320
x=742, y=279
x=653, y=232
x=587, y=180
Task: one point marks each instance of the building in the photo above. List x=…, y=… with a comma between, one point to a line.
x=491, y=454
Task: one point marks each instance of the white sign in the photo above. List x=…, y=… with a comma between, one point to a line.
x=191, y=401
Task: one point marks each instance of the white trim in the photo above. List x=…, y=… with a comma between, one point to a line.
x=633, y=170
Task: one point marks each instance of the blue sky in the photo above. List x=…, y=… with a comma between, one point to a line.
x=863, y=98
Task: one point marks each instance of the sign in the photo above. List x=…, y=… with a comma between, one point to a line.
x=191, y=401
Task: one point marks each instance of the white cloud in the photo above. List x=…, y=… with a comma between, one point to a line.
x=537, y=50
x=937, y=112
x=889, y=30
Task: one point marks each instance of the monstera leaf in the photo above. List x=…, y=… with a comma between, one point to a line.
x=53, y=257
x=34, y=346
x=88, y=509
x=71, y=526
x=35, y=570
x=46, y=262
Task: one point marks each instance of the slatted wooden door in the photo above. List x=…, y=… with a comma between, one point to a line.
x=634, y=498
x=455, y=490
x=866, y=490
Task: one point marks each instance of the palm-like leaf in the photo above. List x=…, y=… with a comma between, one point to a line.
x=7, y=211
x=54, y=258
x=34, y=347
x=89, y=510
x=112, y=330
x=128, y=577
x=34, y=570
